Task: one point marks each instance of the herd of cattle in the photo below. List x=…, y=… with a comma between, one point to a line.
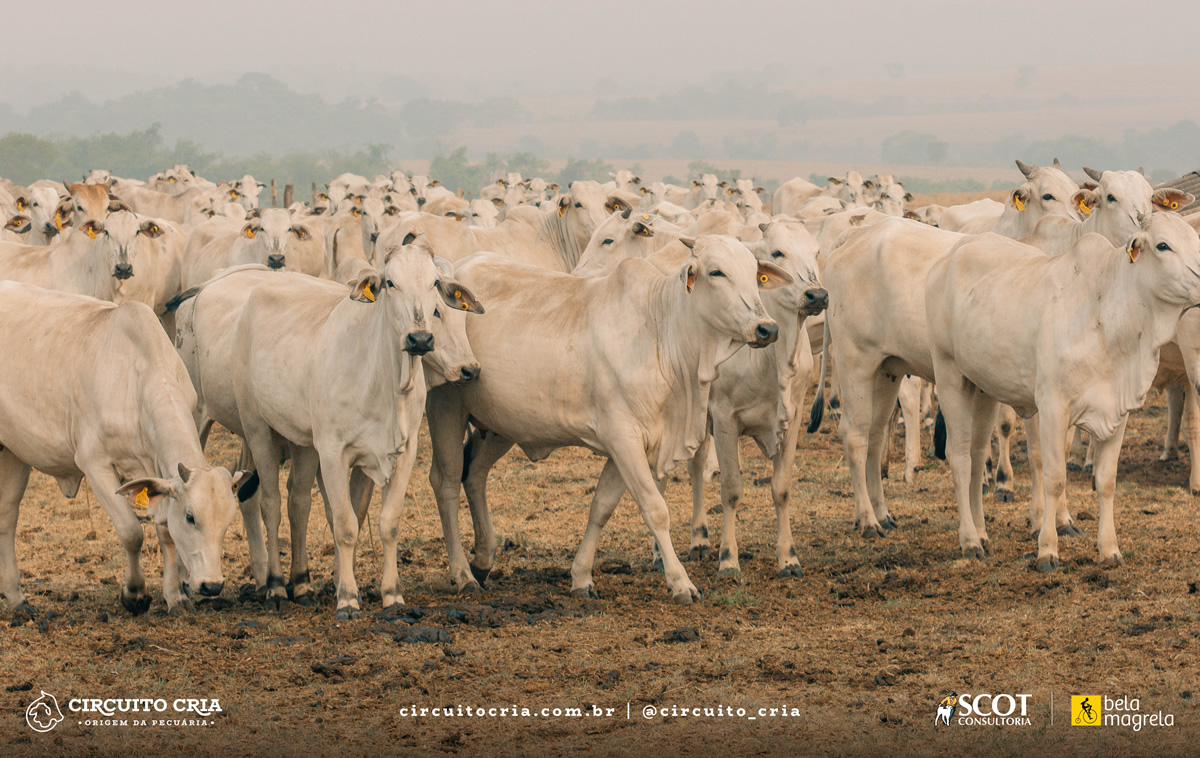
x=652, y=324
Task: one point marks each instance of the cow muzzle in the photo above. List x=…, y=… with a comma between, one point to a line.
x=123, y=271
x=765, y=333
x=211, y=589
x=275, y=260
x=418, y=343
x=50, y=229
x=468, y=374
x=815, y=301
x=374, y=237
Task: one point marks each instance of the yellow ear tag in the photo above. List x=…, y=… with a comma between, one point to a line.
x=58, y=219
x=1132, y=256
x=562, y=209
x=20, y=205
x=764, y=278
x=91, y=230
x=1018, y=202
x=1174, y=205
x=645, y=218
x=1084, y=209
x=367, y=293
x=233, y=195
x=142, y=500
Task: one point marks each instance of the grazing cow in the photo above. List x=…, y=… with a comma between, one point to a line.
x=637, y=394
x=273, y=238
x=877, y=316
x=99, y=392
x=1074, y=339
x=759, y=393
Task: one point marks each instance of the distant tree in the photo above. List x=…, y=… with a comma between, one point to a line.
x=581, y=168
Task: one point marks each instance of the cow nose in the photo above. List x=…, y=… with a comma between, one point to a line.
x=275, y=261
x=123, y=270
x=469, y=373
x=765, y=334
x=816, y=300
x=418, y=343
x=420, y=201
x=374, y=236
x=211, y=589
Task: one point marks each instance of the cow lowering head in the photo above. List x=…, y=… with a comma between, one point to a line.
x=723, y=278
x=196, y=508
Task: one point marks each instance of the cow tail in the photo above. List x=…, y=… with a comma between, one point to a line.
x=174, y=303
x=468, y=453
x=818, y=407
x=939, y=436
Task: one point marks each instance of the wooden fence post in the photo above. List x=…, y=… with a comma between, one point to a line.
x=274, y=195
x=288, y=191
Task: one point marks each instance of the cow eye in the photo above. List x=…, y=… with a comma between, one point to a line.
x=1047, y=197
x=1111, y=199
x=1162, y=246
x=777, y=254
x=389, y=284
x=716, y=272
x=437, y=313
x=578, y=205
x=607, y=242
x=79, y=208
x=191, y=519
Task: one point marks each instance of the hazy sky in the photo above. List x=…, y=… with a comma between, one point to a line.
x=472, y=49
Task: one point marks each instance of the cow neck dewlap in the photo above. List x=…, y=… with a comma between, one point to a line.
x=554, y=231
x=689, y=352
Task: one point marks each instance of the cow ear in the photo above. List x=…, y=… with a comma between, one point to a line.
x=615, y=204
x=763, y=227
x=1171, y=199
x=563, y=203
x=248, y=231
x=455, y=295
x=19, y=224
x=1085, y=200
x=21, y=202
x=908, y=197
x=642, y=229
x=151, y=229
x=772, y=277
x=409, y=238
x=688, y=242
x=367, y=288
x=1134, y=249
x=911, y=216
x=92, y=229
x=687, y=273
x=834, y=180
x=147, y=491
x=1020, y=197
x=498, y=202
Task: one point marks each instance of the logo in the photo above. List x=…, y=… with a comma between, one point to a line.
x=1086, y=710
x=945, y=709
x=42, y=715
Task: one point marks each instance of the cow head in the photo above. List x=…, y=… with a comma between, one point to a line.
x=624, y=235
x=1166, y=252
x=452, y=359
x=1120, y=199
x=266, y=236
x=195, y=508
x=124, y=241
x=791, y=247
x=722, y=279
x=48, y=214
x=1047, y=191
x=86, y=202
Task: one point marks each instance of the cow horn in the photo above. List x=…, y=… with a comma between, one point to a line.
x=625, y=213
x=1093, y=173
x=1025, y=168
x=1057, y=164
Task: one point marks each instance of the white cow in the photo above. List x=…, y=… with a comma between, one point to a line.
x=273, y=238
x=99, y=392
x=1076, y=342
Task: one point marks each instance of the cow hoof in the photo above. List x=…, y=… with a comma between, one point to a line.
x=871, y=531
x=348, y=613
x=986, y=544
x=789, y=571
x=275, y=603
x=1004, y=495
x=1072, y=466
x=730, y=572
x=686, y=596
x=887, y=522
x=1069, y=530
x=700, y=553
x=471, y=588
x=393, y=611
x=1113, y=561
x=135, y=604
x=24, y=611
x=585, y=592
x=658, y=565
x=986, y=488
x=1195, y=490
x=1047, y=564
x=180, y=609
x=308, y=598
x=480, y=575
x=976, y=552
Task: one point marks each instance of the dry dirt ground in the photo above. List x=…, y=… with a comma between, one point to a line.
x=860, y=650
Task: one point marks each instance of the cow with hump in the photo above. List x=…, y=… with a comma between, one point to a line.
x=621, y=364
x=1073, y=338
x=99, y=392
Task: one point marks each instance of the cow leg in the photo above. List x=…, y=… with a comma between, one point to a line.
x=300, y=486
x=787, y=564
x=700, y=548
x=958, y=406
x=1053, y=432
x=893, y=426
x=1107, y=453
x=105, y=484
x=1175, y=400
x=1007, y=422
x=488, y=449
x=390, y=514
x=252, y=520
x=983, y=415
x=887, y=389
x=343, y=526
x=630, y=458
x=910, y=407
x=1191, y=428
x=361, y=490
x=14, y=476
x=725, y=439
x=173, y=585
x=447, y=427
x=265, y=450
x=1037, y=500
x=609, y=488
x=858, y=400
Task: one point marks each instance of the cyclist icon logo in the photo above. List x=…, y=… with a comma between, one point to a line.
x=1085, y=710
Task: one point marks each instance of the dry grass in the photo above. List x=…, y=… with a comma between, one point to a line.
x=863, y=645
